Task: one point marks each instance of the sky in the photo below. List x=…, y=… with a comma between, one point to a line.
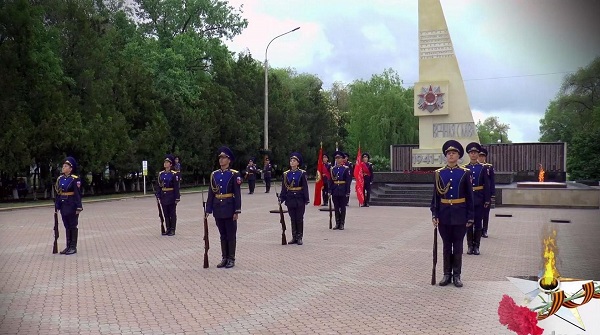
x=513, y=54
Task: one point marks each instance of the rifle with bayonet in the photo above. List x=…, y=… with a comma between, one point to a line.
x=330, y=210
x=160, y=213
x=206, y=242
x=281, y=219
x=55, y=246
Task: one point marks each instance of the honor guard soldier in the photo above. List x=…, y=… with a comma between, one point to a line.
x=294, y=193
x=225, y=203
x=251, y=170
x=177, y=165
x=325, y=169
x=168, y=194
x=68, y=202
x=452, y=210
x=481, y=197
x=339, y=186
x=492, y=178
x=367, y=171
x=350, y=167
x=267, y=171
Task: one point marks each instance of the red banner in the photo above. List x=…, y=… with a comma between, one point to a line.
x=360, y=179
x=319, y=184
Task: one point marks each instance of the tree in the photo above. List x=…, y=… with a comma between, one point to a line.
x=574, y=117
x=491, y=130
x=381, y=113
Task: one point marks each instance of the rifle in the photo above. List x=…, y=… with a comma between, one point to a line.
x=55, y=247
x=434, y=255
x=281, y=219
x=160, y=214
x=329, y=197
x=206, y=241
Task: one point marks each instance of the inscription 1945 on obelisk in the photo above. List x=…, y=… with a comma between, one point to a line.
x=440, y=100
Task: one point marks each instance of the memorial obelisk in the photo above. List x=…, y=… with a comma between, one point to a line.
x=441, y=101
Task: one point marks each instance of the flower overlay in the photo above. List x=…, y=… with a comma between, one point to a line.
x=517, y=318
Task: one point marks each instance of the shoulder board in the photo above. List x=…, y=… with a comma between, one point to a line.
x=488, y=164
x=286, y=171
x=440, y=169
x=163, y=171
x=74, y=176
x=234, y=171
x=464, y=168
x=303, y=171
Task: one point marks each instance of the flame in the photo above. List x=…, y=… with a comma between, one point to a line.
x=541, y=175
x=550, y=250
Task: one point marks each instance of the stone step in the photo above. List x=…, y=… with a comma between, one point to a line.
x=408, y=186
x=421, y=197
x=407, y=192
x=398, y=203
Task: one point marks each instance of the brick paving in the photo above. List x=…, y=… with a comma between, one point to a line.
x=372, y=278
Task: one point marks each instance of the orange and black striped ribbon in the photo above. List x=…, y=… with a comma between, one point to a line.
x=557, y=301
x=588, y=289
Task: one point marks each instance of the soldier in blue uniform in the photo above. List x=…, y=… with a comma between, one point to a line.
x=481, y=197
x=225, y=203
x=294, y=193
x=251, y=171
x=168, y=193
x=267, y=171
x=350, y=167
x=492, y=178
x=339, y=186
x=367, y=171
x=68, y=202
x=326, y=175
x=452, y=210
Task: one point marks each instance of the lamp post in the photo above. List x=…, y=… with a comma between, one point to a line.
x=266, y=143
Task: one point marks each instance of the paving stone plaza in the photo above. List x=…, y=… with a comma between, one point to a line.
x=371, y=278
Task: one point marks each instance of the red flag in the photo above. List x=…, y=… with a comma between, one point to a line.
x=360, y=179
x=319, y=185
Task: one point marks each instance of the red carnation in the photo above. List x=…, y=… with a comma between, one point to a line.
x=519, y=319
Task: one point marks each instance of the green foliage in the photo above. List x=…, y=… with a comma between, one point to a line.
x=492, y=131
x=574, y=117
x=380, y=163
x=381, y=113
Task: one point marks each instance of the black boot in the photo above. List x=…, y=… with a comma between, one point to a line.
x=486, y=222
x=470, y=240
x=447, y=270
x=231, y=255
x=167, y=226
x=299, y=231
x=73, y=247
x=476, y=242
x=337, y=221
x=294, y=233
x=224, y=257
x=68, y=241
x=172, y=226
x=456, y=269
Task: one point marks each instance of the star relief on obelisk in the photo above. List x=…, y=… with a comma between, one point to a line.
x=431, y=99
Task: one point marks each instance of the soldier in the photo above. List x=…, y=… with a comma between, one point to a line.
x=294, y=193
x=68, y=202
x=367, y=171
x=168, y=194
x=492, y=178
x=177, y=165
x=452, y=210
x=350, y=167
x=326, y=175
x=339, y=186
x=225, y=203
x=268, y=169
x=251, y=170
x=481, y=197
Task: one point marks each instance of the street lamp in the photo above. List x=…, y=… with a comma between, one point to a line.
x=266, y=143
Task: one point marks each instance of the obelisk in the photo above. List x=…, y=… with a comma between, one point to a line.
x=441, y=101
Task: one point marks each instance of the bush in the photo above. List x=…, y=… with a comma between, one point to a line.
x=380, y=164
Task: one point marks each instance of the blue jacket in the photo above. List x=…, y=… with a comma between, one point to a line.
x=452, y=201
x=168, y=187
x=224, y=196
x=68, y=194
x=480, y=183
x=339, y=184
x=294, y=188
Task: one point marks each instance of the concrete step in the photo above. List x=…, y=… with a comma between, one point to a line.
x=398, y=203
